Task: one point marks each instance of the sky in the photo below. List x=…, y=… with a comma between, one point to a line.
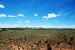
x=37, y=13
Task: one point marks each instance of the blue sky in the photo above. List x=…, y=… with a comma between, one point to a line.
x=37, y=13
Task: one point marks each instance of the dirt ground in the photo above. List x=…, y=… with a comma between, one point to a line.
x=62, y=46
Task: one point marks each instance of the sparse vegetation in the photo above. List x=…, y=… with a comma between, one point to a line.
x=37, y=39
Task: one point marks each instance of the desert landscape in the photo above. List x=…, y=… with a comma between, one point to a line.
x=37, y=39
x=37, y=24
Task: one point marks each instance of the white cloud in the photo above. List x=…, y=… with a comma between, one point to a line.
x=2, y=6
x=45, y=17
x=5, y=25
x=21, y=15
x=8, y=25
x=52, y=15
x=60, y=27
x=35, y=14
x=20, y=22
x=11, y=16
x=3, y=15
x=27, y=21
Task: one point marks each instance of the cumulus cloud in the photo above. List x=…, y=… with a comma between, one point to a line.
x=35, y=14
x=27, y=21
x=52, y=15
x=2, y=6
x=8, y=25
x=3, y=15
x=20, y=22
x=21, y=15
x=11, y=16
